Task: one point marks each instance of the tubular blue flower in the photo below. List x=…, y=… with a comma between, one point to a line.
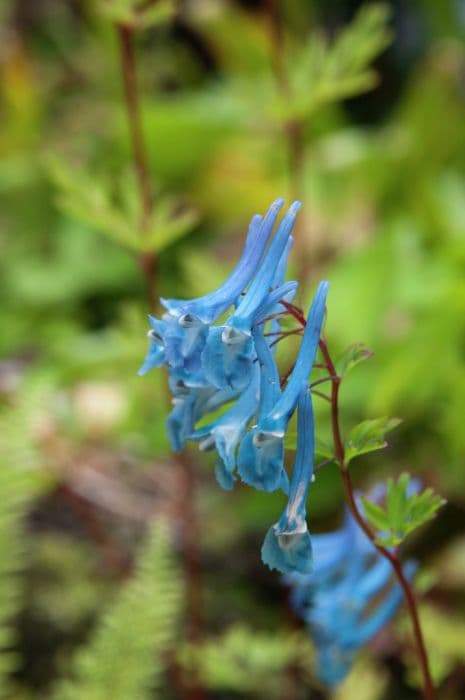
x=268, y=467
x=347, y=599
x=287, y=546
x=229, y=351
x=179, y=337
x=261, y=453
x=209, y=307
x=225, y=433
x=190, y=404
x=156, y=356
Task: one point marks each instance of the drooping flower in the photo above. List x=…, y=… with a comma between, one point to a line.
x=261, y=453
x=347, y=599
x=287, y=546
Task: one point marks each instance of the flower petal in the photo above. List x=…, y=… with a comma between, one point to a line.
x=288, y=553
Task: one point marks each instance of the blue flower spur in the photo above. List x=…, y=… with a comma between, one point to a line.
x=261, y=453
x=229, y=351
x=287, y=546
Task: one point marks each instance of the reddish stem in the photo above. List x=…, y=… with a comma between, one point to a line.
x=292, y=128
x=392, y=557
x=148, y=266
x=147, y=260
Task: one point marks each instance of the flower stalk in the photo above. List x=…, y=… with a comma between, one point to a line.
x=148, y=267
x=147, y=260
x=392, y=556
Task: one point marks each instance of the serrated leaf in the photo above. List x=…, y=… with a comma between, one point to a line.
x=352, y=356
x=168, y=224
x=404, y=510
x=90, y=200
x=368, y=436
x=321, y=72
x=396, y=499
x=375, y=515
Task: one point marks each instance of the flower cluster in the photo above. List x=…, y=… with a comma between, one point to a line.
x=348, y=598
x=219, y=351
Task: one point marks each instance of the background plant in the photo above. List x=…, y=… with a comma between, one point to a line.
x=87, y=463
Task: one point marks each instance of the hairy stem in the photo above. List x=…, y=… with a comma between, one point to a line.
x=147, y=260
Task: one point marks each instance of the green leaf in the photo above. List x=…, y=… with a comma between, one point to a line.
x=375, y=515
x=22, y=478
x=352, y=356
x=114, y=209
x=368, y=436
x=322, y=72
x=404, y=510
x=169, y=223
x=125, y=656
x=246, y=661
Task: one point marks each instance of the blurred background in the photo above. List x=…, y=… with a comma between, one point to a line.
x=358, y=110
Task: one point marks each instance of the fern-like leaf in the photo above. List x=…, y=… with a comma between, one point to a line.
x=124, y=658
x=20, y=479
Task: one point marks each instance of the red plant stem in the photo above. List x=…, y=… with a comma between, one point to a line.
x=148, y=266
x=392, y=557
x=147, y=260
x=292, y=128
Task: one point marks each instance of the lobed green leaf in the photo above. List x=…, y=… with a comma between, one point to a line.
x=404, y=511
x=368, y=436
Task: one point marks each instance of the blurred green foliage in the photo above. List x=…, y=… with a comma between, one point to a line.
x=85, y=462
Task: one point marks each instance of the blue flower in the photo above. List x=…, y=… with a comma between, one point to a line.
x=210, y=307
x=287, y=546
x=156, y=356
x=229, y=351
x=190, y=404
x=225, y=433
x=179, y=337
x=350, y=595
x=268, y=471
x=261, y=453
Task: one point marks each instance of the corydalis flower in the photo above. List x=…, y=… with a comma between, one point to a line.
x=210, y=307
x=229, y=350
x=347, y=599
x=287, y=546
x=211, y=365
x=180, y=335
x=225, y=433
x=261, y=453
